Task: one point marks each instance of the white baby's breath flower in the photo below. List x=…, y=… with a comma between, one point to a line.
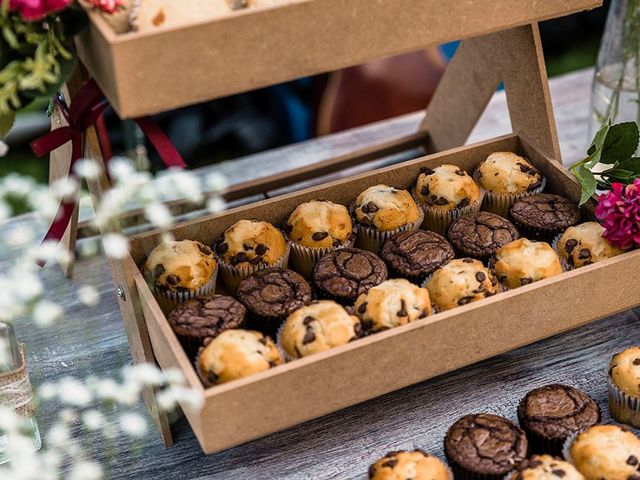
x=28, y=288
x=216, y=182
x=58, y=435
x=18, y=186
x=51, y=251
x=107, y=389
x=20, y=235
x=188, y=397
x=9, y=420
x=88, y=247
x=46, y=313
x=87, y=168
x=66, y=188
x=216, y=204
x=187, y=185
x=4, y=149
x=47, y=390
x=67, y=416
x=93, y=420
x=120, y=167
x=89, y=295
x=133, y=424
x=173, y=376
x=72, y=391
x=159, y=215
x=115, y=245
x=85, y=471
x=5, y=211
x=143, y=374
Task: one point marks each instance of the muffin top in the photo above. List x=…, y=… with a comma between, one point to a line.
x=624, y=370
x=251, y=242
x=557, y=411
x=546, y=211
x=606, y=451
x=274, y=292
x=180, y=265
x=584, y=244
x=346, y=273
x=446, y=187
x=386, y=208
x=318, y=327
x=461, y=281
x=508, y=173
x=207, y=317
x=417, y=253
x=546, y=467
x=480, y=234
x=416, y=465
x=391, y=304
x=320, y=224
x=486, y=444
x=522, y=262
x=235, y=354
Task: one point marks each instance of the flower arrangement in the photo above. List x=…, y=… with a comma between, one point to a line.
x=619, y=212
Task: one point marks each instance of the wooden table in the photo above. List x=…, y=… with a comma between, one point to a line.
x=91, y=341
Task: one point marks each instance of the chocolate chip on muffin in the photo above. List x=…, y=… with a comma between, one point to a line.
x=414, y=465
x=481, y=234
x=584, y=244
x=416, y=254
x=544, y=215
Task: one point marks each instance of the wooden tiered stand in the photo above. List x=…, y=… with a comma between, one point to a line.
x=144, y=74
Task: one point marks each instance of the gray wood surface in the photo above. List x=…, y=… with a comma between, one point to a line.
x=91, y=341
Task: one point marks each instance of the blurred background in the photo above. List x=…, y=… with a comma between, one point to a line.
x=303, y=109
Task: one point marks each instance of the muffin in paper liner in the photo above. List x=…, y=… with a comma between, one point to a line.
x=232, y=275
x=371, y=472
x=503, y=287
x=500, y=203
x=303, y=259
x=370, y=238
x=439, y=220
x=168, y=300
x=623, y=407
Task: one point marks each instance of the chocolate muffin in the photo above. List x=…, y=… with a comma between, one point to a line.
x=202, y=318
x=484, y=446
x=551, y=414
x=481, y=234
x=544, y=215
x=346, y=273
x=271, y=295
x=416, y=254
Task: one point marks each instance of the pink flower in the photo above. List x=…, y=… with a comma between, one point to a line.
x=33, y=10
x=107, y=6
x=619, y=212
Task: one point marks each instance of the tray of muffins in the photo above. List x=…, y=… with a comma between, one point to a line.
x=297, y=306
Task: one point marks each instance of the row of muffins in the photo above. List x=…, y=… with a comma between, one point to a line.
x=553, y=421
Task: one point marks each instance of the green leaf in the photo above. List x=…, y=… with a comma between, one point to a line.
x=6, y=122
x=595, y=150
x=618, y=174
x=632, y=164
x=587, y=182
x=620, y=143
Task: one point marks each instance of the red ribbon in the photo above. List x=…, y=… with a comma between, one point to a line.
x=86, y=108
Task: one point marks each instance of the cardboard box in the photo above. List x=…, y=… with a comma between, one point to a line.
x=304, y=389
x=147, y=73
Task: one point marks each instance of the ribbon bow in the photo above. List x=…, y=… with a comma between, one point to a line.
x=85, y=110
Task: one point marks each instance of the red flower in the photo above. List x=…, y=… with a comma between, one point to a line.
x=619, y=212
x=107, y=6
x=33, y=10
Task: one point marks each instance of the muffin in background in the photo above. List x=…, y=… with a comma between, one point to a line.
x=316, y=328
x=584, y=244
x=624, y=387
x=545, y=467
x=522, y=262
x=605, y=451
x=459, y=282
x=248, y=246
x=481, y=234
x=506, y=176
x=445, y=193
x=179, y=270
x=236, y=354
x=315, y=228
x=415, y=464
x=391, y=304
x=381, y=211
x=543, y=216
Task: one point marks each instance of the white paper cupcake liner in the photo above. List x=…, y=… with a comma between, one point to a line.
x=232, y=275
x=500, y=203
x=168, y=300
x=623, y=407
x=371, y=239
x=439, y=220
x=566, y=447
x=303, y=259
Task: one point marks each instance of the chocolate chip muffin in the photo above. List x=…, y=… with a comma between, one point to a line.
x=235, y=354
x=545, y=467
x=484, y=446
x=415, y=464
x=318, y=327
x=416, y=254
x=481, y=234
x=271, y=295
x=345, y=274
x=315, y=228
x=178, y=270
x=551, y=414
x=522, y=262
x=201, y=318
x=382, y=211
x=391, y=304
x=544, y=215
x=248, y=246
x=606, y=451
x=460, y=282
x=584, y=244
x=624, y=386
